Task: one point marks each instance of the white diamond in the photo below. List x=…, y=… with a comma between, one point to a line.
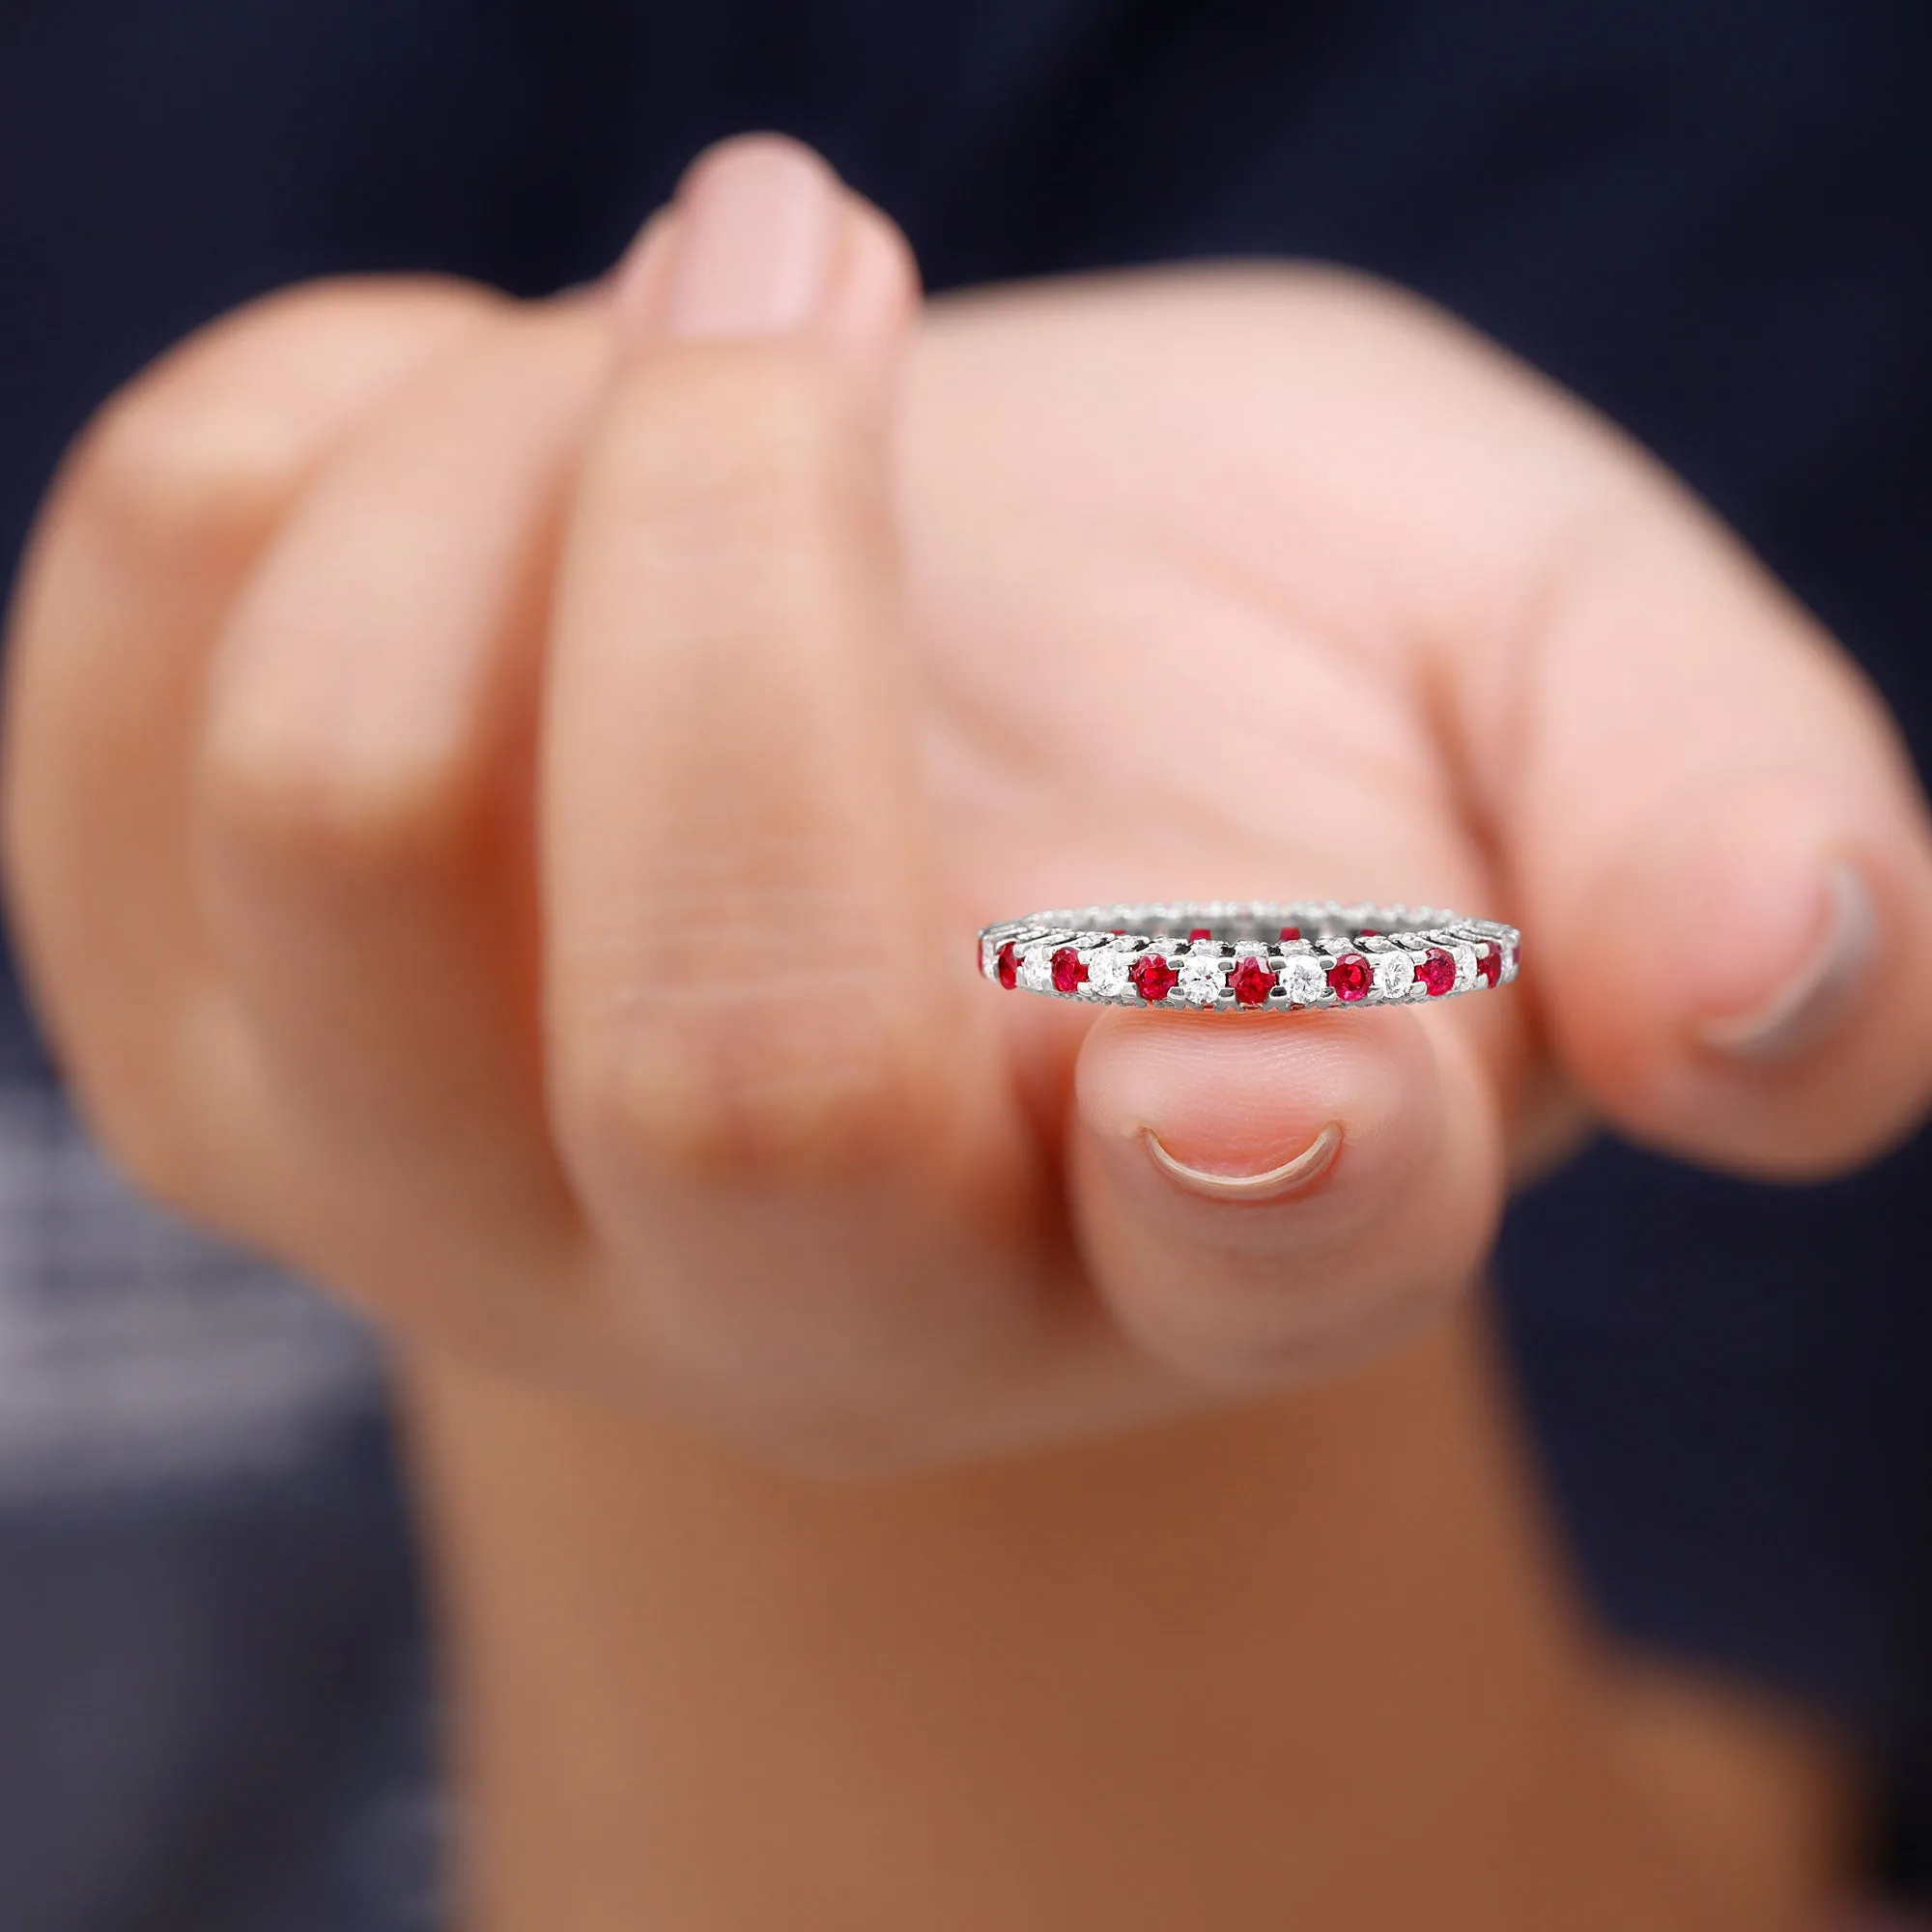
x=1037, y=969
x=1394, y=972
x=1107, y=972
x=1200, y=979
x=1304, y=980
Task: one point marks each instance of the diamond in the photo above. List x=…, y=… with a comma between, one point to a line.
x=1302, y=980
x=1036, y=973
x=1351, y=977
x=1254, y=981
x=1154, y=977
x=1107, y=972
x=1068, y=969
x=1200, y=979
x=1395, y=973
x=1437, y=972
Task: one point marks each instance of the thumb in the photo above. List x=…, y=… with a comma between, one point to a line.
x=1721, y=852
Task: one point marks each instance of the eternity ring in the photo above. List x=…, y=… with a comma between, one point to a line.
x=1252, y=957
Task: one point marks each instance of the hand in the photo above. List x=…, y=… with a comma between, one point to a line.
x=498, y=797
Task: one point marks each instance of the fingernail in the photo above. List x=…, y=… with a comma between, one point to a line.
x=1300, y=1171
x=1816, y=994
x=756, y=223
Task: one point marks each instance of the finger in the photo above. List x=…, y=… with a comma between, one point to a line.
x=1717, y=848
x=1275, y=1198
x=157, y=517
x=363, y=818
x=764, y=1084
x=1721, y=851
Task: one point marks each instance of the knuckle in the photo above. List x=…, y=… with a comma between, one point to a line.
x=193, y=459
x=699, y=1086
x=276, y=788
x=172, y=472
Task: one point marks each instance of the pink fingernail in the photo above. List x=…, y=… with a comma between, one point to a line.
x=756, y=225
x=1814, y=996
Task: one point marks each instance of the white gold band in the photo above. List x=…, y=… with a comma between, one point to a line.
x=1250, y=957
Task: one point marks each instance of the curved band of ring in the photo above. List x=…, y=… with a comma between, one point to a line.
x=1250, y=957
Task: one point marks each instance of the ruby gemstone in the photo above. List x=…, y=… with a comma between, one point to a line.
x=1006, y=966
x=1291, y=932
x=1351, y=977
x=1489, y=966
x=1437, y=972
x=1154, y=977
x=1253, y=982
x=1069, y=971
x=1200, y=932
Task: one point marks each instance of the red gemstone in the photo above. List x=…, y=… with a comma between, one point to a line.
x=1291, y=932
x=1489, y=965
x=1437, y=972
x=1200, y=932
x=1368, y=933
x=1006, y=966
x=1070, y=970
x=1351, y=977
x=1154, y=977
x=1254, y=981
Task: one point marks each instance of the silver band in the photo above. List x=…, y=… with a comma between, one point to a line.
x=1250, y=957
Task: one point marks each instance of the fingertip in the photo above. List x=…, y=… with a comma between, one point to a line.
x=1237, y=1099
x=1818, y=978
x=762, y=238
x=1744, y=994
x=1274, y=1196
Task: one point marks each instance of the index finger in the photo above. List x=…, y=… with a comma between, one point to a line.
x=763, y=1077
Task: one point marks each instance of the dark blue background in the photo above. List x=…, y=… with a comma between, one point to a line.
x=1713, y=219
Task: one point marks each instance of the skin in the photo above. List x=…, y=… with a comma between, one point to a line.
x=422, y=706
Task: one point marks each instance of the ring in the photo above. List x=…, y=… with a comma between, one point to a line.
x=1250, y=957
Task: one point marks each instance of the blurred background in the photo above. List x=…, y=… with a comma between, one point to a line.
x=1713, y=221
